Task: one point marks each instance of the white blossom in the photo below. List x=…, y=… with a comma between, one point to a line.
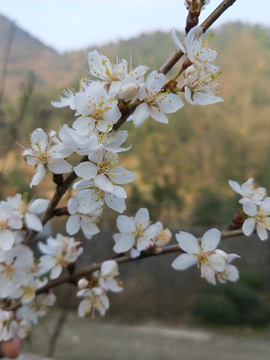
x=259, y=218
x=9, y=326
x=103, y=169
x=111, y=74
x=9, y=221
x=134, y=232
x=248, y=192
x=59, y=253
x=97, y=110
x=207, y=258
x=95, y=299
x=84, y=214
x=44, y=155
x=28, y=211
x=15, y=269
x=230, y=272
x=106, y=275
x=114, y=199
x=154, y=102
x=36, y=308
x=200, y=86
x=68, y=100
x=163, y=236
x=194, y=48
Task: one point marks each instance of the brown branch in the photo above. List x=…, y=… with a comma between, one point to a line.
x=61, y=190
x=176, y=56
x=225, y=234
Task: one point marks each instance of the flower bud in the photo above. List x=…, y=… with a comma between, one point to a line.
x=83, y=283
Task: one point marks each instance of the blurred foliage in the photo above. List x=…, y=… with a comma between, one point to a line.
x=181, y=168
x=235, y=303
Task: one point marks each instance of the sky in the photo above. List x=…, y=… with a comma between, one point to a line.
x=68, y=25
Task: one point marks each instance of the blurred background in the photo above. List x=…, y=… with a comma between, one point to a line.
x=182, y=169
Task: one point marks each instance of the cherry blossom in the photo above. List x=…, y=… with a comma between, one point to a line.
x=259, y=218
x=84, y=214
x=103, y=68
x=59, y=253
x=163, y=236
x=103, y=169
x=200, y=86
x=134, y=232
x=68, y=100
x=15, y=269
x=108, y=270
x=28, y=211
x=44, y=155
x=9, y=221
x=208, y=259
x=36, y=308
x=230, y=272
x=95, y=299
x=248, y=192
x=194, y=48
x=98, y=111
x=154, y=102
x=114, y=199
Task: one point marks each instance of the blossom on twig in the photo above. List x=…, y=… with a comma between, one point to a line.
x=209, y=260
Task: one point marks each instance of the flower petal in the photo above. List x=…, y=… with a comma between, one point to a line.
x=188, y=242
x=210, y=239
x=184, y=261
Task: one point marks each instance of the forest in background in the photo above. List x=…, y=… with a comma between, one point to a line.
x=182, y=169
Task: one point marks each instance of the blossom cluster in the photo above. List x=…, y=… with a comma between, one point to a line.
x=199, y=73
x=256, y=207
x=115, y=90
x=21, y=274
x=94, y=290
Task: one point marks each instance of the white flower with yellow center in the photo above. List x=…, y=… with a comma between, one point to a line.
x=134, y=232
x=103, y=68
x=97, y=110
x=200, y=86
x=204, y=254
x=95, y=299
x=59, y=253
x=154, y=103
x=28, y=211
x=43, y=155
x=15, y=269
x=103, y=169
x=163, y=236
x=194, y=48
x=106, y=276
x=84, y=214
x=259, y=218
x=248, y=192
x=230, y=272
x=114, y=199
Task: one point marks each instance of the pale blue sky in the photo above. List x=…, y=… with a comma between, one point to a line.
x=76, y=24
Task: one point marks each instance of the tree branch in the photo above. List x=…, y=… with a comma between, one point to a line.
x=126, y=258
x=61, y=190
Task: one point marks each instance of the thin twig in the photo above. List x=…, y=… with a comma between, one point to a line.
x=176, y=56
